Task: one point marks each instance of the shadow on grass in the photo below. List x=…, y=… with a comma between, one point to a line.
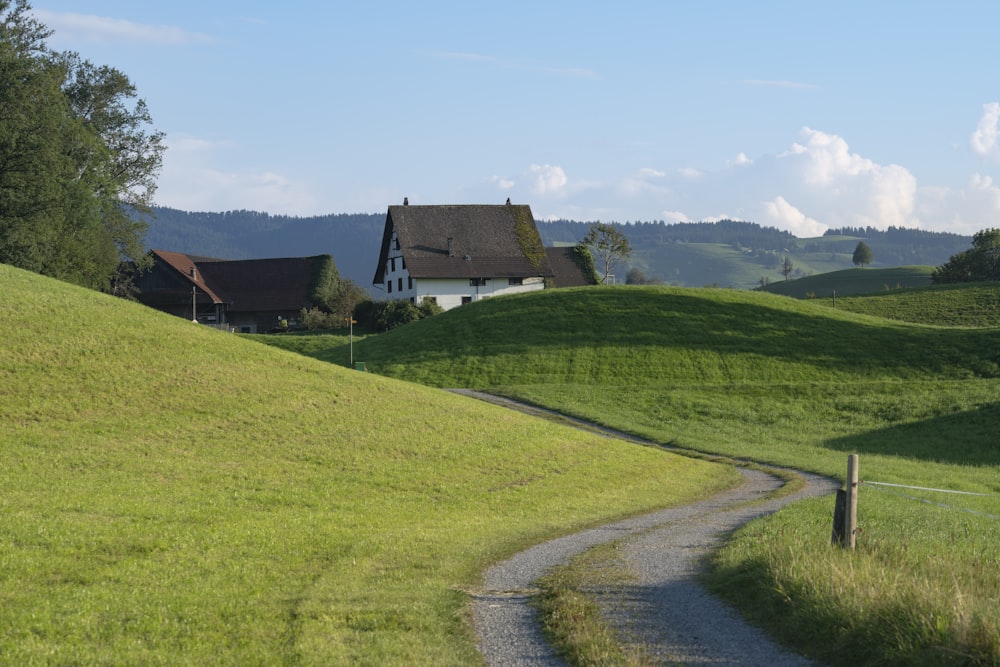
x=655, y=323
x=966, y=438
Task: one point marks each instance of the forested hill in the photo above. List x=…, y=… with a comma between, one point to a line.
x=726, y=253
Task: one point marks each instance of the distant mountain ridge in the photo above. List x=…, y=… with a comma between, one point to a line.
x=726, y=253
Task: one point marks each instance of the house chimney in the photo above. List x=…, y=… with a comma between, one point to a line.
x=508, y=201
x=451, y=247
x=194, y=274
x=406, y=201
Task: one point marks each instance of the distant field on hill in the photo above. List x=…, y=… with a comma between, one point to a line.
x=850, y=282
x=965, y=305
x=174, y=495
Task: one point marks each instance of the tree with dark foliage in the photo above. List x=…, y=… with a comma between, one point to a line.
x=981, y=262
x=862, y=254
x=77, y=161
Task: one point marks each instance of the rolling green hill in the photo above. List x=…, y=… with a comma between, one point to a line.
x=174, y=495
x=961, y=305
x=789, y=382
x=852, y=281
x=660, y=335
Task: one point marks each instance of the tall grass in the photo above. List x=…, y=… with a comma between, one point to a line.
x=176, y=495
x=786, y=382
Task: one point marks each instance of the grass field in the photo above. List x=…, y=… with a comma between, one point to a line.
x=173, y=495
x=849, y=282
x=788, y=382
x=963, y=305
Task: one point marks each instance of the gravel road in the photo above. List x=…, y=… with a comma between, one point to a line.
x=664, y=611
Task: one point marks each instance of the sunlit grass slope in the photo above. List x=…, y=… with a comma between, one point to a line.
x=791, y=382
x=961, y=305
x=175, y=495
x=650, y=336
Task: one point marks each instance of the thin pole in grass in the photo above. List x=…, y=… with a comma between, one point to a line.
x=845, y=512
x=851, y=517
x=350, y=323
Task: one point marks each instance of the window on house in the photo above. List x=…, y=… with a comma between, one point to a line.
x=392, y=263
x=388, y=286
x=402, y=261
x=396, y=242
x=409, y=282
x=466, y=299
x=477, y=282
x=515, y=281
x=400, y=284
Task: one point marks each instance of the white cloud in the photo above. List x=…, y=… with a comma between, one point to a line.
x=740, y=160
x=984, y=139
x=779, y=213
x=88, y=27
x=844, y=188
x=649, y=172
x=961, y=210
x=503, y=183
x=673, y=217
x=548, y=179
x=816, y=183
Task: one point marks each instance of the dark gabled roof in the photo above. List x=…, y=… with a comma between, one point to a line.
x=567, y=271
x=486, y=242
x=263, y=284
x=249, y=284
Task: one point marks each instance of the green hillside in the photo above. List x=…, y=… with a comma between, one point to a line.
x=791, y=382
x=658, y=335
x=174, y=495
x=852, y=281
x=963, y=305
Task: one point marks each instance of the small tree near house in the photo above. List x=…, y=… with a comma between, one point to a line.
x=609, y=245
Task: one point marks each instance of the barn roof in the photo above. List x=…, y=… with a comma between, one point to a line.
x=249, y=284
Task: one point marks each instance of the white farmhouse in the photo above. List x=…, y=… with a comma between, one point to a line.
x=460, y=253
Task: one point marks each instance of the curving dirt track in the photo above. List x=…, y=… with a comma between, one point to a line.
x=665, y=612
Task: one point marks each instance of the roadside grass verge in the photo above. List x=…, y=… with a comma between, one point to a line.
x=176, y=495
x=792, y=383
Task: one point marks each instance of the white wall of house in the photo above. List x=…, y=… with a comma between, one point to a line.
x=450, y=293
x=447, y=292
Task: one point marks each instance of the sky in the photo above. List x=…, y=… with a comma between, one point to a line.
x=803, y=116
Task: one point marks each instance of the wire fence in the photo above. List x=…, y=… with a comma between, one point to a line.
x=891, y=488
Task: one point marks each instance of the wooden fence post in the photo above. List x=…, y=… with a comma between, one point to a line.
x=851, y=513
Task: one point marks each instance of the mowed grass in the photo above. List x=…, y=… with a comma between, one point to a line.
x=847, y=282
x=962, y=305
x=179, y=496
x=789, y=382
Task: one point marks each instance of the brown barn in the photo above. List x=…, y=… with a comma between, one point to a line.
x=249, y=296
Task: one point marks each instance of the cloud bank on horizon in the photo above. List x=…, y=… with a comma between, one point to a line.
x=807, y=181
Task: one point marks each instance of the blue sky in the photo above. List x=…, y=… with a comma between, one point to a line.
x=797, y=115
